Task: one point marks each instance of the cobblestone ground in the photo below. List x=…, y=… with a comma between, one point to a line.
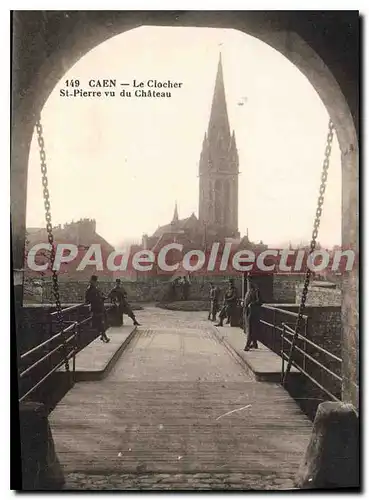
x=178, y=411
x=197, y=481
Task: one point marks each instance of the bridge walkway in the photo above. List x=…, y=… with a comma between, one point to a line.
x=178, y=411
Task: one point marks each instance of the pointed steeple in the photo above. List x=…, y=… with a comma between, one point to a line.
x=218, y=166
x=219, y=130
x=175, y=215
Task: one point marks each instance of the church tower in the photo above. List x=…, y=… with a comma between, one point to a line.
x=218, y=168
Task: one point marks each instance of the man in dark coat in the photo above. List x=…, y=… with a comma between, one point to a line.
x=115, y=296
x=96, y=298
x=118, y=296
x=186, y=286
x=230, y=303
x=252, y=304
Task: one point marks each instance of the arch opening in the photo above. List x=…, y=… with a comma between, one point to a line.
x=291, y=45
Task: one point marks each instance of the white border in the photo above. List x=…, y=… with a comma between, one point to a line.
x=5, y=141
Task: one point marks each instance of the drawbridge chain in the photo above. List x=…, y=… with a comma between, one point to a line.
x=49, y=229
x=318, y=214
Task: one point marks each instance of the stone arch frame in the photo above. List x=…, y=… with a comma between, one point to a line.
x=47, y=44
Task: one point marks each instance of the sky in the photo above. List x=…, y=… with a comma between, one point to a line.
x=125, y=162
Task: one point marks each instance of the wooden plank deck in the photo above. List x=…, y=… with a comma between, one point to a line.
x=178, y=403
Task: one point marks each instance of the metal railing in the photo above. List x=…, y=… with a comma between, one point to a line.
x=309, y=358
x=47, y=357
x=39, y=363
x=272, y=321
x=287, y=338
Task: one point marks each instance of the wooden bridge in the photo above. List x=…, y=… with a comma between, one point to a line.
x=174, y=404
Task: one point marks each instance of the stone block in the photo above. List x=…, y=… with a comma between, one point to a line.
x=41, y=469
x=332, y=457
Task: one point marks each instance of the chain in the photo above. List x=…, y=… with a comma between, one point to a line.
x=318, y=214
x=49, y=229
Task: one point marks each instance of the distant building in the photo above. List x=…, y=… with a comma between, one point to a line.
x=82, y=234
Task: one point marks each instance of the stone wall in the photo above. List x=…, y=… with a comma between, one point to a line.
x=284, y=287
x=153, y=290
x=320, y=295
x=156, y=289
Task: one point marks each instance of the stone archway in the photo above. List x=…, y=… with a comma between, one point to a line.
x=47, y=44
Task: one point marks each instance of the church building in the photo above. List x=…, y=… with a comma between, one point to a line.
x=217, y=220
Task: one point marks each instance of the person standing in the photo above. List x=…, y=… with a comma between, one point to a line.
x=115, y=296
x=118, y=295
x=230, y=303
x=251, y=313
x=214, y=302
x=185, y=288
x=96, y=298
x=211, y=300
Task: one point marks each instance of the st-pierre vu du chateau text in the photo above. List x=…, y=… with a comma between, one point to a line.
x=114, y=88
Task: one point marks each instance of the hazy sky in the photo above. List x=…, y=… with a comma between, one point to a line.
x=124, y=162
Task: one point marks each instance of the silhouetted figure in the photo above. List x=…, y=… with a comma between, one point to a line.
x=186, y=286
x=251, y=314
x=96, y=298
x=118, y=296
x=230, y=304
x=214, y=302
x=173, y=290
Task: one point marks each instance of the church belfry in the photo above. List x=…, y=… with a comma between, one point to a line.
x=218, y=168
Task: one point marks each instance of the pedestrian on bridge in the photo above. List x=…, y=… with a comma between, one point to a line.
x=186, y=286
x=214, y=302
x=251, y=312
x=230, y=304
x=118, y=296
x=96, y=299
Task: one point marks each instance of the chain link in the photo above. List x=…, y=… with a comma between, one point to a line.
x=318, y=214
x=50, y=236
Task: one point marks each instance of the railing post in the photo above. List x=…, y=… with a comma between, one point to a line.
x=282, y=351
x=76, y=341
x=78, y=329
x=274, y=331
x=305, y=335
x=50, y=332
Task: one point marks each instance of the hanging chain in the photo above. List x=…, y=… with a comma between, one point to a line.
x=318, y=214
x=50, y=235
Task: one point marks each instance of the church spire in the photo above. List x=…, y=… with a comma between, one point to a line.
x=218, y=166
x=219, y=129
x=175, y=215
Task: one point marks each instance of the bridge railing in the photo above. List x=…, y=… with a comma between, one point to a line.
x=320, y=366
x=39, y=363
x=302, y=360
x=272, y=320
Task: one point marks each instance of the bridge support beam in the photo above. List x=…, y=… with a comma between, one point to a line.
x=332, y=457
x=41, y=469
